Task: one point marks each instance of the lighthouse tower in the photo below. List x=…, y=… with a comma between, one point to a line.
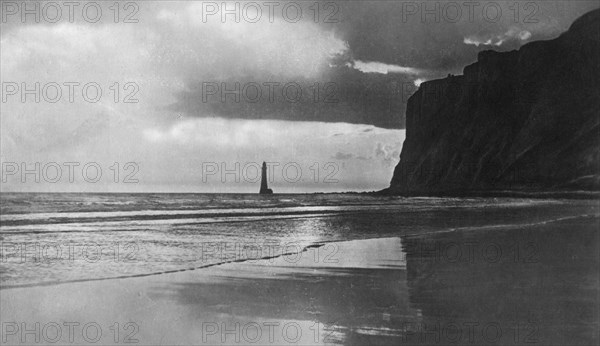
x=264, y=188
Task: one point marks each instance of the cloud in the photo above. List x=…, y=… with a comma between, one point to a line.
x=360, y=69
x=342, y=156
x=388, y=153
x=513, y=33
x=417, y=82
x=221, y=50
x=342, y=95
x=280, y=71
x=379, y=67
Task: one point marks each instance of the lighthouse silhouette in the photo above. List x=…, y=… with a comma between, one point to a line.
x=264, y=188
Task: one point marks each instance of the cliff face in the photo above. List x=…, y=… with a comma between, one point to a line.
x=519, y=120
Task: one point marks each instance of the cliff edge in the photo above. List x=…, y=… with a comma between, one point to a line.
x=525, y=120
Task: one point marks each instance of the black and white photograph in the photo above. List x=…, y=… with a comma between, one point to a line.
x=300, y=172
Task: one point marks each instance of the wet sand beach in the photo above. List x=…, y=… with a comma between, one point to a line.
x=518, y=285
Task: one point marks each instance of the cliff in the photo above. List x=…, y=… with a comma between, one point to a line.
x=525, y=120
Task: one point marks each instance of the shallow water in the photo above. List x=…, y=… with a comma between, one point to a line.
x=50, y=238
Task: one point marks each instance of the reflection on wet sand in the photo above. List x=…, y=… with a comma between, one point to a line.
x=526, y=285
x=498, y=286
x=336, y=302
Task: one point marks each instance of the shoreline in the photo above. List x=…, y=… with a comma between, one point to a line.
x=312, y=246
x=541, y=194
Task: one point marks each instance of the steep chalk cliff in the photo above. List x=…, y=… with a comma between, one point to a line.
x=519, y=120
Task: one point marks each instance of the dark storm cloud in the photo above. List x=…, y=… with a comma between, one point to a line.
x=429, y=34
x=347, y=95
x=413, y=41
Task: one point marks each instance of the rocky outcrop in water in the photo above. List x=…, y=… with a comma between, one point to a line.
x=525, y=120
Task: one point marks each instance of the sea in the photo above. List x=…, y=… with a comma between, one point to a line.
x=50, y=238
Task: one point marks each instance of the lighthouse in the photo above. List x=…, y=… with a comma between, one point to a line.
x=264, y=188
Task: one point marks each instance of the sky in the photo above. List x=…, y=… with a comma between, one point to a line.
x=190, y=96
